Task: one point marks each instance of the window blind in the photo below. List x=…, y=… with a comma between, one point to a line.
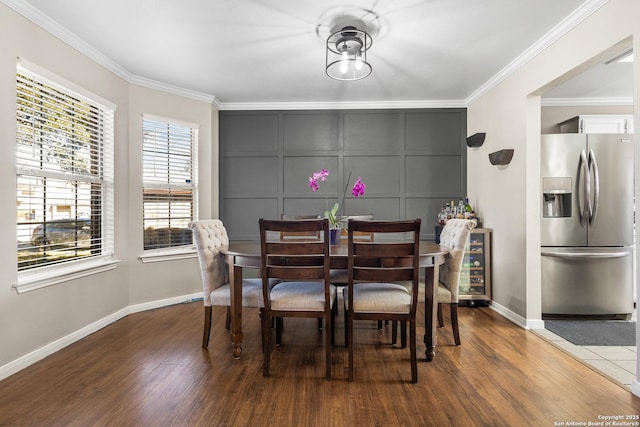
x=169, y=181
x=64, y=159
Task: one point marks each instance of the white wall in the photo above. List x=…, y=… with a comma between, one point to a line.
x=36, y=319
x=162, y=280
x=508, y=198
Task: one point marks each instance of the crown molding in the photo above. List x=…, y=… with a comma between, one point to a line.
x=369, y=105
x=581, y=102
x=562, y=28
x=57, y=30
x=176, y=90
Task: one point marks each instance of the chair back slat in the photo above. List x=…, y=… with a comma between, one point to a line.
x=300, y=245
x=383, y=249
x=296, y=272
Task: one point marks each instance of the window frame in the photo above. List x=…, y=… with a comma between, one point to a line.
x=52, y=273
x=176, y=251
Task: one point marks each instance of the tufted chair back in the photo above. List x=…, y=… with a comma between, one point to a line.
x=454, y=236
x=209, y=236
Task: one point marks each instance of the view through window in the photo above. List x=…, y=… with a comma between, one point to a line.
x=169, y=176
x=64, y=173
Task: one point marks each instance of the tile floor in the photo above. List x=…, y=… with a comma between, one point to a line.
x=616, y=363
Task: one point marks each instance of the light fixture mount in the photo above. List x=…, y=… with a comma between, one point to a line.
x=346, y=57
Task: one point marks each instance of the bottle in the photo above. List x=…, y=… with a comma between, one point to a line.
x=460, y=210
x=442, y=217
x=467, y=208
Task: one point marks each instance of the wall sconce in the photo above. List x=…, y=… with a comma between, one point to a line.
x=501, y=157
x=476, y=140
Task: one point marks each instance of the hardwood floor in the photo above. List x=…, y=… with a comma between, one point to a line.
x=148, y=370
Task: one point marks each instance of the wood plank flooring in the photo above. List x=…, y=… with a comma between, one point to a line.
x=148, y=370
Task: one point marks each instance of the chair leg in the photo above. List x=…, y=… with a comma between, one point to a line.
x=349, y=321
x=328, y=342
x=266, y=342
x=454, y=323
x=334, y=313
x=279, y=326
x=207, y=326
x=403, y=333
x=261, y=315
x=412, y=344
x=346, y=328
x=320, y=323
x=440, y=320
x=227, y=323
x=394, y=332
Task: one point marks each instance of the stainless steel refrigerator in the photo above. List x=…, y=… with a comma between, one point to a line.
x=587, y=225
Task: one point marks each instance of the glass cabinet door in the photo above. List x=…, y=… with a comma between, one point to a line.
x=475, y=278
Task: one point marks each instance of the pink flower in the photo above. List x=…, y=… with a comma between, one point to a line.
x=358, y=188
x=313, y=180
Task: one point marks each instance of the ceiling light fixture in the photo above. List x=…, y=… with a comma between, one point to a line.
x=347, y=54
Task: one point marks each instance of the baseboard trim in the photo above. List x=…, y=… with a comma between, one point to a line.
x=57, y=345
x=516, y=318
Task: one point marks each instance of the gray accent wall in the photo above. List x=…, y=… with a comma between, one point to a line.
x=411, y=161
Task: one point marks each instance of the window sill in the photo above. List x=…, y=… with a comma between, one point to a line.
x=169, y=254
x=47, y=276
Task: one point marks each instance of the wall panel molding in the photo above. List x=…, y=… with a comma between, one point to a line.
x=412, y=162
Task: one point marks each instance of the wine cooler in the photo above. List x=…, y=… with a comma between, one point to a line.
x=475, y=277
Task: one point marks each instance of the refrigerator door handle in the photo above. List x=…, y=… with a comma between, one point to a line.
x=575, y=255
x=593, y=165
x=585, y=180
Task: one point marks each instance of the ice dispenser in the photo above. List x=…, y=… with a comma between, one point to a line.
x=557, y=197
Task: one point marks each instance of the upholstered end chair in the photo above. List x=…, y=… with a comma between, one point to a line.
x=209, y=237
x=454, y=236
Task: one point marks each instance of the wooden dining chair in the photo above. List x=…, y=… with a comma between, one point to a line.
x=377, y=275
x=209, y=236
x=302, y=268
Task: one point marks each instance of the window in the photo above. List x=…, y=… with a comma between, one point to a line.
x=169, y=181
x=64, y=156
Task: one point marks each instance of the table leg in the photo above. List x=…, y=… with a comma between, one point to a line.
x=431, y=276
x=235, y=281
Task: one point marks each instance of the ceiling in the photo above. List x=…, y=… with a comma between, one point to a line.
x=252, y=52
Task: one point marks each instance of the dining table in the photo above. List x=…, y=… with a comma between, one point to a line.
x=246, y=254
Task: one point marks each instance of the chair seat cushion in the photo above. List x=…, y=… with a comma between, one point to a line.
x=251, y=293
x=300, y=296
x=444, y=295
x=379, y=298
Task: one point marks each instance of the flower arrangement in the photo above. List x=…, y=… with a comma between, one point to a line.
x=358, y=189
